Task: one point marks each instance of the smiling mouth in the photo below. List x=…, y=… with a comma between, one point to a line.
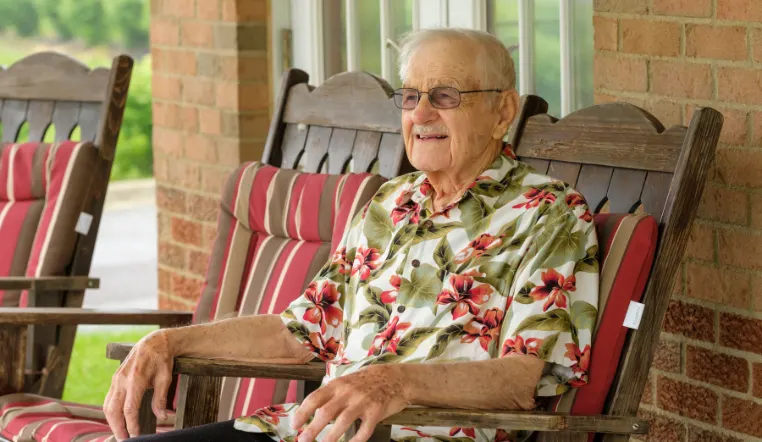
x=430, y=137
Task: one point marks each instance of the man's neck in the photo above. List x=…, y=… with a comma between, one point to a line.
x=449, y=185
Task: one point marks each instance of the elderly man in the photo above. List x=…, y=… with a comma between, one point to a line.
x=457, y=286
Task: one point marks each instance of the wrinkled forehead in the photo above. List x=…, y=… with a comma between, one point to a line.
x=445, y=62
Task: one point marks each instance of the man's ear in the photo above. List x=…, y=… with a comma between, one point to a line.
x=508, y=108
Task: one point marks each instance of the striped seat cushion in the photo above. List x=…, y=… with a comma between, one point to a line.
x=43, y=188
x=27, y=417
x=627, y=245
x=276, y=228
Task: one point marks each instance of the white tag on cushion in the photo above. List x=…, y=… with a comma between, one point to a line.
x=83, y=223
x=634, y=315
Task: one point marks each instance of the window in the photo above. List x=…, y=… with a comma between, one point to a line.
x=551, y=40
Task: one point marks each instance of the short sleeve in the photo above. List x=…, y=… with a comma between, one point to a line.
x=316, y=318
x=554, y=295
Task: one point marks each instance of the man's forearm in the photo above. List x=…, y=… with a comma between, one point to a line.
x=507, y=383
x=259, y=338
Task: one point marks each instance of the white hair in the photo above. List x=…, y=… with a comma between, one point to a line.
x=494, y=58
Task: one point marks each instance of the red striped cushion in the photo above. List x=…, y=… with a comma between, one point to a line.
x=627, y=246
x=28, y=417
x=43, y=188
x=277, y=227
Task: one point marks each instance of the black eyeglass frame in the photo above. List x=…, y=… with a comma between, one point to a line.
x=398, y=92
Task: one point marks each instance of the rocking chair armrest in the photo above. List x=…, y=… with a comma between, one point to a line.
x=518, y=420
x=313, y=371
x=48, y=283
x=76, y=316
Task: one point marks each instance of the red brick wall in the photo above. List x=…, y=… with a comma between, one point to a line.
x=211, y=91
x=670, y=56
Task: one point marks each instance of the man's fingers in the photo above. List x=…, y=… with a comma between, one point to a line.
x=309, y=406
x=115, y=414
x=342, y=424
x=159, y=400
x=323, y=417
x=365, y=431
x=131, y=409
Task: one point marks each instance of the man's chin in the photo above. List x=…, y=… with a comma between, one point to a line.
x=430, y=159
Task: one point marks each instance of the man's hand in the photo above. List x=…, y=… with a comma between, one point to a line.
x=371, y=395
x=149, y=365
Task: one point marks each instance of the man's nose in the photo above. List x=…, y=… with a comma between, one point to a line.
x=424, y=112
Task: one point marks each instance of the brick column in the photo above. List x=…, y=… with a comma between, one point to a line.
x=211, y=111
x=670, y=56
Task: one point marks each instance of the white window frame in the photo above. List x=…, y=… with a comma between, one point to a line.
x=305, y=17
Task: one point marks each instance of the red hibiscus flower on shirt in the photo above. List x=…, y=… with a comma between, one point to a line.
x=502, y=436
x=581, y=363
x=467, y=296
x=478, y=247
x=325, y=349
x=323, y=301
x=508, y=151
x=389, y=296
x=413, y=430
x=366, y=259
x=271, y=414
x=404, y=205
x=486, y=328
x=554, y=289
x=535, y=197
x=386, y=341
x=470, y=432
x=519, y=346
x=573, y=200
x=425, y=188
x=340, y=259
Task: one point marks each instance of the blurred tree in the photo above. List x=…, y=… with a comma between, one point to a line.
x=51, y=11
x=130, y=18
x=90, y=18
x=26, y=21
x=6, y=14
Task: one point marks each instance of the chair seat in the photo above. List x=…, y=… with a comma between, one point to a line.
x=31, y=418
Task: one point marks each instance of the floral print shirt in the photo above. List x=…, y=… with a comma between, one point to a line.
x=512, y=267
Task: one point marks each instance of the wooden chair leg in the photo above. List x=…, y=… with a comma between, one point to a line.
x=146, y=418
x=13, y=339
x=199, y=401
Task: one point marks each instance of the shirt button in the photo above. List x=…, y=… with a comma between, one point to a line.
x=416, y=263
x=400, y=309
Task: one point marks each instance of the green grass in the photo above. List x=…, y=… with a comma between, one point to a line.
x=90, y=372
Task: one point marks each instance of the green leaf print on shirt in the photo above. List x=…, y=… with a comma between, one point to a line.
x=554, y=320
x=378, y=227
x=583, y=315
x=422, y=288
x=444, y=337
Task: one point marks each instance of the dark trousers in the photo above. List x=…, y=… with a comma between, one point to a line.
x=220, y=431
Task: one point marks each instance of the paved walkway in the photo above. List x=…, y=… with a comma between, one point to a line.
x=125, y=257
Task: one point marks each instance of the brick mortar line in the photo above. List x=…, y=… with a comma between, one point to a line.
x=174, y=297
x=719, y=266
x=184, y=273
x=699, y=424
x=748, y=64
x=681, y=100
x=714, y=388
x=720, y=308
x=751, y=357
x=711, y=21
x=727, y=226
x=208, y=49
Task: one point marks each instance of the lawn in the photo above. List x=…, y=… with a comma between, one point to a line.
x=90, y=372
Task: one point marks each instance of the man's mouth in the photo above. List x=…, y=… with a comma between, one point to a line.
x=430, y=137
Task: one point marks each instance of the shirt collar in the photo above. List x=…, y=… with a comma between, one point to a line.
x=502, y=167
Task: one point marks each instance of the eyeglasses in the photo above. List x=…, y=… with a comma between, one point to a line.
x=442, y=97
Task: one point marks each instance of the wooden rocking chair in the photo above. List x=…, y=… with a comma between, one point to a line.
x=623, y=161
x=47, y=189
x=301, y=137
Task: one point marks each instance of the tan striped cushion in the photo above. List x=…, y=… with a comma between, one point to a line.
x=627, y=247
x=43, y=188
x=276, y=228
